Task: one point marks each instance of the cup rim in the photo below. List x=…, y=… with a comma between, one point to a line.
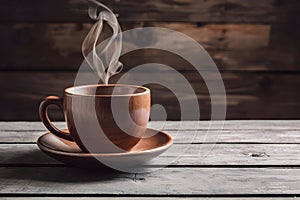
x=68, y=92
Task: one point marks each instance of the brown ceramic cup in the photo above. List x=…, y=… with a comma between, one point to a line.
x=101, y=118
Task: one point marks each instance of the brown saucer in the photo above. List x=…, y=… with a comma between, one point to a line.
x=69, y=153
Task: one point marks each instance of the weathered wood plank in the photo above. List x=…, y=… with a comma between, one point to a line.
x=228, y=125
x=221, y=154
x=26, y=126
x=183, y=136
x=253, y=95
x=260, y=125
x=58, y=46
x=172, y=181
x=158, y=10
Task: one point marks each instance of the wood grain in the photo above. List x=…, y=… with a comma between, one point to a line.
x=220, y=154
x=158, y=10
x=284, y=35
x=228, y=125
x=182, y=136
x=266, y=168
x=53, y=46
x=254, y=44
x=249, y=96
x=241, y=36
x=195, y=181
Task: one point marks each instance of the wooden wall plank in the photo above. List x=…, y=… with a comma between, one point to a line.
x=240, y=35
x=249, y=96
x=53, y=46
x=284, y=35
x=189, y=10
x=57, y=47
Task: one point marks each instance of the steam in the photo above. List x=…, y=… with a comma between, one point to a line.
x=105, y=62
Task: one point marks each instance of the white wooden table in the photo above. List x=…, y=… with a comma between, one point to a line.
x=252, y=159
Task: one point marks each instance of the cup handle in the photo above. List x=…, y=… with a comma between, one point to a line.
x=43, y=111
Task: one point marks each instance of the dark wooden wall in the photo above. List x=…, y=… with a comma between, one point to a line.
x=255, y=45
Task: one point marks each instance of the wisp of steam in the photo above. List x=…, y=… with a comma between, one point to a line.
x=104, y=61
